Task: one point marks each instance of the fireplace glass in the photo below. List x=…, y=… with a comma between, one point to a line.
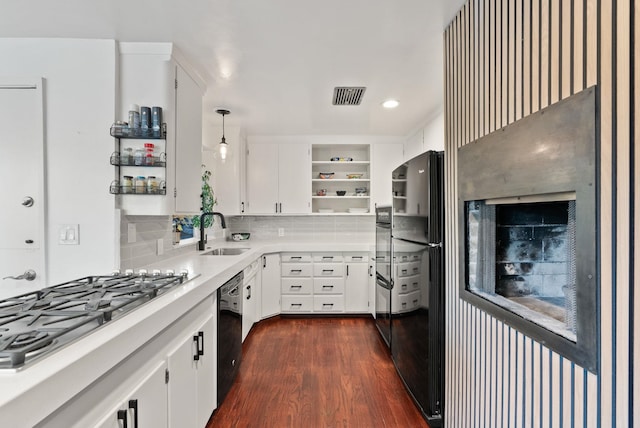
x=521, y=256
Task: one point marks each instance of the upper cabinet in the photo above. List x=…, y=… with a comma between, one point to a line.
x=154, y=74
x=385, y=158
x=277, y=178
x=228, y=176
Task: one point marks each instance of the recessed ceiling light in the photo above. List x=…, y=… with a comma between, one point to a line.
x=390, y=104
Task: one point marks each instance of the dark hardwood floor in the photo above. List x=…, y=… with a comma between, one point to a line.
x=316, y=372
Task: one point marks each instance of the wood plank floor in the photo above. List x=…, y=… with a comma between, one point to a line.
x=316, y=372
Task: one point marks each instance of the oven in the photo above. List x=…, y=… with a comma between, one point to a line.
x=384, y=278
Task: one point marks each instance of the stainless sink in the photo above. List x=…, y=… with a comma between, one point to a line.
x=228, y=251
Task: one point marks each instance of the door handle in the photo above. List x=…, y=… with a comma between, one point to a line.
x=28, y=274
x=133, y=404
x=122, y=416
x=27, y=201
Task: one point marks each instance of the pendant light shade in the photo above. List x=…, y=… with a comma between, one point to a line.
x=223, y=147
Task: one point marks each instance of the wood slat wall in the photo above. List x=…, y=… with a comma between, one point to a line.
x=506, y=59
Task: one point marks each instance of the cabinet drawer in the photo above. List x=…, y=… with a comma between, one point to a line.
x=356, y=257
x=296, y=258
x=328, y=269
x=296, y=269
x=297, y=303
x=406, y=302
x=407, y=269
x=297, y=285
x=407, y=284
x=327, y=257
x=407, y=257
x=328, y=285
x=328, y=303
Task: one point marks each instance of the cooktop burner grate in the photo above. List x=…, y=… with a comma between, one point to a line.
x=34, y=324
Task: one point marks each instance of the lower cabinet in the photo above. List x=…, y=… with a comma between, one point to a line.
x=250, y=293
x=270, y=287
x=357, y=284
x=145, y=405
x=192, y=377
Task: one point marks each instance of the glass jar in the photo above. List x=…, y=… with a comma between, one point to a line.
x=126, y=156
x=141, y=184
x=127, y=184
x=152, y=185
x=138, y=157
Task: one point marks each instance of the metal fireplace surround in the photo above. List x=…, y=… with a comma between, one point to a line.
x=548, y=156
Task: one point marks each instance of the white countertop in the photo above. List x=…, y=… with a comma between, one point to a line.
x=29, y=395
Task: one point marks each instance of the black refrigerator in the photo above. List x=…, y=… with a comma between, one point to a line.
x=417, y=295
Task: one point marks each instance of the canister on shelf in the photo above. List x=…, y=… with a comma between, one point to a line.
x=156, y=121
x=141, y=184
x=152, y=185
x=126, y=156
x=134, y=116
x=145, y=118
x=138, y=157
x=127, y=184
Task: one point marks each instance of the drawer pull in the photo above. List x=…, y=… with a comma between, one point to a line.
x=404, y=271
x=415, y=302
x=403, y=286
x=416, y=270
x=295, y=270
x=298, y=287
x=327, y=286
x=327, y=270
x=404, y=305
x=415, y=285
x=297, y=305
x=296, y=257
x=327, y=257
x=356, y=257
x=329, y=305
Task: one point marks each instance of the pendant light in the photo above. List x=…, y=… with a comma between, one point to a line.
x=223, y=147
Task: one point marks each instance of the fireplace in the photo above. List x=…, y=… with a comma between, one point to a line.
x=528, y=226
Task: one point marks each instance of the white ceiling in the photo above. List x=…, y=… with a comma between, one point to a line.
x=274, y=63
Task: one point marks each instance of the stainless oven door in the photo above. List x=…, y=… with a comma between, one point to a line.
x=384, y=280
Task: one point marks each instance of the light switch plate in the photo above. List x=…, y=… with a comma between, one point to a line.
x=69, y=234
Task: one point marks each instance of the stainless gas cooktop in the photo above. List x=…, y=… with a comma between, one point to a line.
x=35, y=324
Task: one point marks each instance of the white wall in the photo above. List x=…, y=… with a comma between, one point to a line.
x=79, y=103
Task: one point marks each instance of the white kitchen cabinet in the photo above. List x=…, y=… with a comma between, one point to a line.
x=270, y=285
x=372, y=284
x=192, y=383
x=296, y=283
x=249, y=287
x=385, y=158
x=150, y=75
x=144, y=407
x=277, y=178
x=357, y=283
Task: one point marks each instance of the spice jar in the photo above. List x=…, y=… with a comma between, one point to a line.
x=126, y=156
x=141, y=184
x=127, y=184
x=152, y=185
x=138, y=157
x=149, y=157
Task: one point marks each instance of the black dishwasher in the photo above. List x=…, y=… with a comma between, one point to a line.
x=229, y=333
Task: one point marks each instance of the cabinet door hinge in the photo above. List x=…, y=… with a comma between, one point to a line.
x=175, y=192
x=166, y=375
x=176, y=83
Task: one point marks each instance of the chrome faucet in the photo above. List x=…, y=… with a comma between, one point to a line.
x=203, y=238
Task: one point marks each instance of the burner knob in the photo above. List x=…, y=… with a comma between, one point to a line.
x=184, y=273
x=170, y=272
x=128, y=272
x=156, y=272
x=115, y=272
x=142, y=272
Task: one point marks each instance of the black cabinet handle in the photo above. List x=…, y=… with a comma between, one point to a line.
x=133, y=404
x=196, y=356
x=296, y=270
x=276, y=207
x=347, y=270
x=327, y=286
x=248, y=292
x=327, y=257
x=356, y=257
x=122, y=416
x=280, y=207
x=242, y=205
x=201, y=343
x=264, y=261
x=299, y=305
x=327, y=271
x=330, y=305
x=296, y=257
x=296, y=286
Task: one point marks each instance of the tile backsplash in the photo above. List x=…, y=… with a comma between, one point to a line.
x=150, y=229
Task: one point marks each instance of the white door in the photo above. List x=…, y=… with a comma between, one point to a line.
x=294, y=181
x=206, y=373
x=22, y=245
x=262, y=178
x=357, y=288
x=183, y=394
x=270, y=285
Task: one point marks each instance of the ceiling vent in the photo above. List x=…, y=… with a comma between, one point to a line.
x=348, y=95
